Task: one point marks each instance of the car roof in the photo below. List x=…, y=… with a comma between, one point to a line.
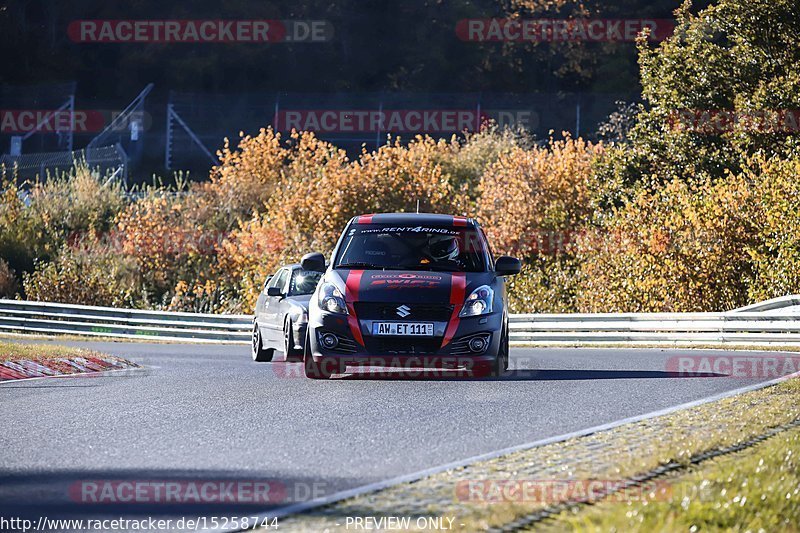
x=290, y=266
x=433, y=219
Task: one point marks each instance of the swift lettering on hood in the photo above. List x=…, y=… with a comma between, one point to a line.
x=397, y=281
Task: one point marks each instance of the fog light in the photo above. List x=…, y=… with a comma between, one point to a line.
x=478, y=344
x=329, y=340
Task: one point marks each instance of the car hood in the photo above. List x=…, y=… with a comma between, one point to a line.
x=300, y=301
x=407, y=286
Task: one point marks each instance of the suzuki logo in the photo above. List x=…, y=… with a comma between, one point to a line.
x=403, y=311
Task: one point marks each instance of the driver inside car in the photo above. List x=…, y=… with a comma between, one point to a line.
x=443, y=249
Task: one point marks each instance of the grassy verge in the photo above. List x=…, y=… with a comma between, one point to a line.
x=19, y=360
x=757, y=489
x=12, y=351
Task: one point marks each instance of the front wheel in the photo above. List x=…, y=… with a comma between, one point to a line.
x=289, y=350
x=257, y=350
x=500, y=365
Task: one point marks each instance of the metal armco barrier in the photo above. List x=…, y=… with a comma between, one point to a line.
x=774, y=322
x=66, y=319
x=656, y=328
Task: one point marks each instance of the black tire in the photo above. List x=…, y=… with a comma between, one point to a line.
x=500, y=364
x=257, y=350
x=312, y=369
x=507, y=349
x=291, y=353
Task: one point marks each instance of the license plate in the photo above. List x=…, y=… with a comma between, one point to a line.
x=415, y=329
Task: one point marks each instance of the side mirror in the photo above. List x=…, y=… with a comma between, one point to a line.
x=274, y=291
x=313, y=262
x=507, y=266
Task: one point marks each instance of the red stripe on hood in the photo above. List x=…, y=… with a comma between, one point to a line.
x=350, y=296
x=458, y=289
x=459, y=221
x=365, y=219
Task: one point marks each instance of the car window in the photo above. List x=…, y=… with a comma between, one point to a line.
x=442, y=248
x=273, y=279
x=303, y=282
x=279, y=280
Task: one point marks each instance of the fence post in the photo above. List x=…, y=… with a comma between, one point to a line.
x=168, y=140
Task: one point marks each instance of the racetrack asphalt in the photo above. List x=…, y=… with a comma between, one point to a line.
x=209, y=413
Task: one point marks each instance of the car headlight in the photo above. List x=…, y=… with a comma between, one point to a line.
x=479, y=302
x=330, y=299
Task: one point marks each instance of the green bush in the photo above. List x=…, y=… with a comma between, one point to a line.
x=545, y=285
x=8, y=281
x=64, y=207
x=682, y=247
x=776, y=222
x=736, y=56
x=87, y=276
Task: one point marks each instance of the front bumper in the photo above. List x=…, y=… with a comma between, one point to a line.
x=408, y=351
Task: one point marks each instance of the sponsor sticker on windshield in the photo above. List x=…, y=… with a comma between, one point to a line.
x=408, y=229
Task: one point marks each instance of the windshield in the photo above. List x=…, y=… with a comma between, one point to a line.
x=304, y=282
x=440, y=248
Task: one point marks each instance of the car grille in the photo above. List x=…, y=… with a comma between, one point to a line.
x=403, y=345
x=416, y=312
x=346, y=344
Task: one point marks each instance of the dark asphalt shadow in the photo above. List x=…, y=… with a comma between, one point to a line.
x=154, y=493
x=519, y=375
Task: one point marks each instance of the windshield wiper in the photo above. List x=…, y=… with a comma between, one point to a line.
x=360, y=264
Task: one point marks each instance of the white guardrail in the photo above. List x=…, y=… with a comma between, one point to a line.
x=776, y=322
x=67, y=319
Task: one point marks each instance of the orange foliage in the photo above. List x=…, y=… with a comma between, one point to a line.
x=679, y=248
x=243, y=183
x=540, y=190
x=249, y=255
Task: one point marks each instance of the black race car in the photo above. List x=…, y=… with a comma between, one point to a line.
x=281, y=314
x=409, y=290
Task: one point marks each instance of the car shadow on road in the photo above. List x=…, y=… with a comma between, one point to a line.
x=156, y=493
x=520, y=375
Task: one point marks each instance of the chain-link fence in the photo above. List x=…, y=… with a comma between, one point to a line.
x=108, y=161
x=197, y=123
